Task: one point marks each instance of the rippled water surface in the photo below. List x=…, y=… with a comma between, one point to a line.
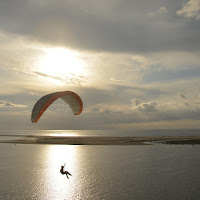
x=143, y=172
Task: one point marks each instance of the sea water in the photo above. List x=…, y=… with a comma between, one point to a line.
x=140, y=172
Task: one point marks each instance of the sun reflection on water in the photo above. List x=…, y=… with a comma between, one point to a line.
x=58, y=185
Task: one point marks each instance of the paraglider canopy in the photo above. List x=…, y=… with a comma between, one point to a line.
x=71, y=98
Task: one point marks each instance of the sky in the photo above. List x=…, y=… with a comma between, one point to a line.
x=134, y=63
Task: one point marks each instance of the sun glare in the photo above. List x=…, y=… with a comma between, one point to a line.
x=61, y=64
x=58, y=155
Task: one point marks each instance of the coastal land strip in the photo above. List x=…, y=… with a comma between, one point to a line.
x=96, y=140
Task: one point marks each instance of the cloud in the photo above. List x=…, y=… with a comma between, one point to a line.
x=160, y=11
x=117, y=26
x=95, y=109
x=148, y=107
x=186, y=104
x=136, y=101
x=127, y=54
x=181, y=95
x=103, y=109
x=145, y=107
x=70, y=78
x=116, y=80
x=190, y=9
x=6, y=104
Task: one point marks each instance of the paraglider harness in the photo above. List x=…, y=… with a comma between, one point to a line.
x=64, y=172
x=61, y=170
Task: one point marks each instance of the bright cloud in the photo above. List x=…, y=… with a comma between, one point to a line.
x=108, y=53
x=145, y=107
x=7, y=104
x=148, y=107
x=190, y=9
x=160, y=11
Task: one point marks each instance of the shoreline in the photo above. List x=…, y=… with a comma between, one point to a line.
x=106, y=140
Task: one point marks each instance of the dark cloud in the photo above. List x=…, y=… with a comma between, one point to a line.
x=136, y=101
x=158, y=74
x=122, y=26
x=148, y=107
x=186, y=104
x=107, y=118
x=47, y=75
x=181, y=95
x=70, y=78
x=97, y=117
x=95, y=109
x=145, y=107
x=115, y=94
x=8, y=104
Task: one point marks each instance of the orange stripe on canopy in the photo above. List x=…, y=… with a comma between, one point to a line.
x=71, y=98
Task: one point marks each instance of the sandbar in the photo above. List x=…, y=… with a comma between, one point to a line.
x=96, y=140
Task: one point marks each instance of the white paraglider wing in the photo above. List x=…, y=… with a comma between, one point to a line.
x=71, y=98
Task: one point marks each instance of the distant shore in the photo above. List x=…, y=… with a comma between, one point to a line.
x=95, y=140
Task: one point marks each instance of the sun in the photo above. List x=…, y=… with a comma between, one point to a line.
x=61, y=64
x=59, y=61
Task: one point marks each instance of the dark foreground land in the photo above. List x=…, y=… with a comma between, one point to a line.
x=75, y=140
